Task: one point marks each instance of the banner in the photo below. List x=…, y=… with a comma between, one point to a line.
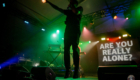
x=121, y=52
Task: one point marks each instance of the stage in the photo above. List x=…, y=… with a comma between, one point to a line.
x=86, y=78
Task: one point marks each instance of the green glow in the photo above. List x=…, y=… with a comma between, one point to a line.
x=139, y=10
x=57, y=31
x=54, y=35
x=79, y=12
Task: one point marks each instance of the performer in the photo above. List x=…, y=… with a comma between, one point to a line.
x=71, y=35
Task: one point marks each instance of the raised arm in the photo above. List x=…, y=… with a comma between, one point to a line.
x=54, y=6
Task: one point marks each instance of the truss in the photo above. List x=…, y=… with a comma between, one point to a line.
x=107, y=12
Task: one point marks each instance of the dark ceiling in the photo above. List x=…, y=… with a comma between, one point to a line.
x=45, y=14
x=41, y=15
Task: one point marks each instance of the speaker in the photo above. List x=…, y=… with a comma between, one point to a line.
x=14, y=72
x=118, y=73
x=43, y=73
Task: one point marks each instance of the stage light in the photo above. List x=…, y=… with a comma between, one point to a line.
x=54, y=35
x=10, y=61
x=102, y=38
x=84, y=28
x=57, y=31
x=89, y=41
x=127, y=15
x=43, y=1
x=43, y=29
x=3, y=4
x=26, y=22
x=36, y=64
x=119, y=37
x=126, y=18
x=115, y=17
x=107, y=39
x=125, y=35
x=62, y=38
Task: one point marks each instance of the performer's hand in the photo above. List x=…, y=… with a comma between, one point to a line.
x=44, y=1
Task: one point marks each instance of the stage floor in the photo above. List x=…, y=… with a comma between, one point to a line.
x=86, y=78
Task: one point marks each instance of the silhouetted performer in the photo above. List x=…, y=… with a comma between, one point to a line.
x=71, y=35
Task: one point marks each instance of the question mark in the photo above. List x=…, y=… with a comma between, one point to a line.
x=130, y=58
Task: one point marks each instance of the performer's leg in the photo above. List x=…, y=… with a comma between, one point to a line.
x=67, y=45
x=76, y=56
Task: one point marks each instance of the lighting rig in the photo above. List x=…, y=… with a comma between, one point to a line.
x=112, y=11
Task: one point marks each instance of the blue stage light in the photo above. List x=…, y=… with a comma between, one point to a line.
x=10, y=61
x=3, y=4
x=26, y=22
x=43, y=29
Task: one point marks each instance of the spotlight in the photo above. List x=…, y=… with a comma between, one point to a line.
x=126, y=18
x=36, y=64
x=89, y=41
x=54, y=35
x=102, y=38
x=62, y=38
x=127, y=15
x=3, y=4
x=125, y=35
x=107, y=39
x=43, y=29
x=119, y=37
x=26, y=22
x=114, y=15
x=84, y=27
x=43, y=1
x=57, y=31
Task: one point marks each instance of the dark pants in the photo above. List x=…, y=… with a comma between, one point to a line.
x=71, y=39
